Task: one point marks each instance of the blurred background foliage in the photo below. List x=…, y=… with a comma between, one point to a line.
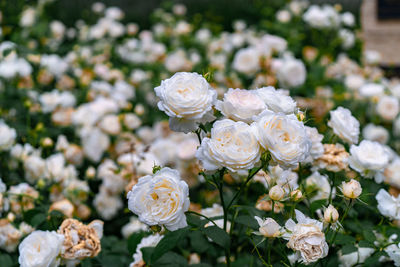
x=221, y=12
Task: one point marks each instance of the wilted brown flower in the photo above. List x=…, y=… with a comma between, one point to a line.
x=334, y=158
x=81, y=241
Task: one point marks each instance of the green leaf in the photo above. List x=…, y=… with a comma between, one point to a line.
x=342, y=239
x=365, y=244
x=147, y=253
x=38, y=219
x=374, y=259
x=248, y=221
x=369, y=235
x=347, y=249
x=5, y=260
x=170, y=240
x=171, y=259
x=317, y=204
x=133, y=240
x=198, y=242
x=217, y=235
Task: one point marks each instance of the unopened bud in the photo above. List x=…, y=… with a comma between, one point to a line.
x=296, y=195
x=276, y=193
x=331, y=214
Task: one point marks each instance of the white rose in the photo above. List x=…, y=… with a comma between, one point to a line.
x=7, y=136
x=232, y=145
x=388, y=205
x=354, y=82
x=369, y=159
x=240, y=105
x=348, y=19
x=320, y=184
x=291, y=72
x=268, y=227
x=28, y=17
x=392, y=173
x=247, y=61
x=284, y=136
x=40, y=249
x=107, y=205
x=283, y=16
x=348, y=38
x=149, y=241
x=371, y=89
x=110, y=124
x=160, y=199
x=388, y=107
x=375, y=133
x=306, y=238
x=394, y=253
x=317, y=148
x=359, y=256
x=188, y=99
x=344, y=125
x=276, y=100
x=133, y=226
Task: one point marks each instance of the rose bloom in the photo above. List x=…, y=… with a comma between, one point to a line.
x=375, y=133
x=241, y=105
x=306, y=238
x=369, y=159
x=149, y=241
x=357, y=257
x=247, y=61
x=371, y=89
x=291, y=72
x=344, y=125
x=317, y=148
x=160, y=199
x=40, y=249
x=232, y=145
x=187, y=99
x=351, y=189
x=388, y=107
x=388, y=205
x=276, y=100
x=284, y=136
x=7, y=136
x=392, y=173
x=268, y=227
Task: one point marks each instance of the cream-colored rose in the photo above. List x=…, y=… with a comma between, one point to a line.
x=344, y=125
x=232, y=145
x=149, y=241
x=306, y=238
x=351, y=189
x=187, y=99
x=40, y=249
x=268, y=227
x=160, y=199
x=284, y=136
x=369, y=159
x=7, y=136
x=241, y=105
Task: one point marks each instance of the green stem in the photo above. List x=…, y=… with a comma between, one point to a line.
x=201, y=215
x=259, y=255
x=249, y=177
x=344, y=216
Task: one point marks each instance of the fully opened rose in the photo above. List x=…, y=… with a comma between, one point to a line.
x=160, y=199
x=284, y=136
x=232, y=145
x=187, y=99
